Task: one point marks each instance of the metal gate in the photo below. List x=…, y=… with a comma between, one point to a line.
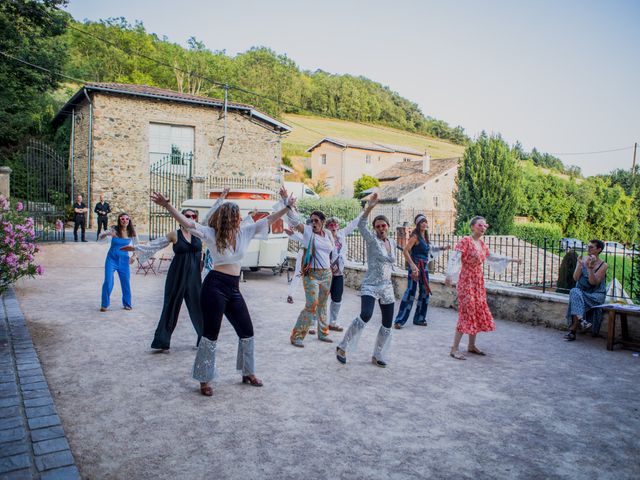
x=170, y=176
x=41, y=184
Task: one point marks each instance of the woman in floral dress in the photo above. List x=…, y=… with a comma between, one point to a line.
x=474, y=315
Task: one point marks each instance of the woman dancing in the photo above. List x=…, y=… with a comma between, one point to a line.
x=474, y=315
x=183, y=278
x=228, y=238
x=316, y=271
x=338, y=259
x=417, y=252
x=122, y=234
x=376, y=285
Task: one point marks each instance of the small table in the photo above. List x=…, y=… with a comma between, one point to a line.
x=623, y=311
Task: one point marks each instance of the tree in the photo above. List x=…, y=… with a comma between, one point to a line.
x=31, y=31
x=488, y=184
x=365, y=182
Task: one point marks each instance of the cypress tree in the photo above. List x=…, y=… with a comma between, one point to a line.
x=488, y=183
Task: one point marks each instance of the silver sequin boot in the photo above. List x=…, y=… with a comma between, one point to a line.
x=245, y=361
x=204, y=367
x=350, y=340
x=383, y=342
x=334, y=311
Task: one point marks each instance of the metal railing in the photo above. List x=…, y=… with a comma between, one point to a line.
x=547, y=265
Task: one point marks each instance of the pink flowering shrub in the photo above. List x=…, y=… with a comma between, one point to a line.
x=17, y=245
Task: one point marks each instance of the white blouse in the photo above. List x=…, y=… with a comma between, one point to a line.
x=322, y=247
x=248, y=231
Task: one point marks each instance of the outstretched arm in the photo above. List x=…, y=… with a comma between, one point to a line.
x=163, y=201
x=362, y=223
x=351, y=226
x=289, y=205
x=293, y=217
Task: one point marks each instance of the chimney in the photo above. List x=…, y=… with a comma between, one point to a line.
x=426, y=163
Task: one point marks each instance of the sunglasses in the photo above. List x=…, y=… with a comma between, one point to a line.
x=124, y=218
x=191, y=215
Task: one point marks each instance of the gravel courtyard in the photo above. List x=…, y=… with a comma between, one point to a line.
x=534, y=407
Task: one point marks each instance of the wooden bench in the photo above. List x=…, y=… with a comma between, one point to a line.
x=623, y=312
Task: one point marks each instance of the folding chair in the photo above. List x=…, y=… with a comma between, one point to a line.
x=165, y=257
x=146, y=267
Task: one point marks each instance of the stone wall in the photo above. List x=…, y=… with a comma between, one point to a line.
x=508, y=303
x=120, y=166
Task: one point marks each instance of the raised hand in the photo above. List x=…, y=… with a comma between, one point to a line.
x=291, y=201
x=159, y=199
x=225, y=192
x=283, y=193
x=373, y=200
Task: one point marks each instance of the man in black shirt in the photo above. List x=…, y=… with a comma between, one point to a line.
x=103, y=209
x=80, y=210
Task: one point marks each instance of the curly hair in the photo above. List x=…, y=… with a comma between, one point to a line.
x=131, y=231
x=226, y=222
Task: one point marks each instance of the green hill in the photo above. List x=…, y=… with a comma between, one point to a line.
x=308, y=130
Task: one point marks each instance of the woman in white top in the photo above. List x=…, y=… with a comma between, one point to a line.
x=316, y=270
x=227, y=238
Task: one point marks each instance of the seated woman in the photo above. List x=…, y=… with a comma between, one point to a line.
x=590, y=275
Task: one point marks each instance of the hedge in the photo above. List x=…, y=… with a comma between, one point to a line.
x=537, y=232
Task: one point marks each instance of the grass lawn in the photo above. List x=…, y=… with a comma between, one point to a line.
x=308, y=130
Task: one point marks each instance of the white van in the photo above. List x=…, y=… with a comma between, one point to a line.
x=300, y=190
x=270, y=253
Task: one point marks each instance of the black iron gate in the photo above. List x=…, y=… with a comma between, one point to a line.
x=41, y=184
x=170, y=176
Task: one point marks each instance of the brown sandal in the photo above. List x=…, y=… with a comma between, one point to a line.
x=476, y=351
x=252, y=380
x=206, y=390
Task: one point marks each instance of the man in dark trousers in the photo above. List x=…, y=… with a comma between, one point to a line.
x=80, y=210
x=103, y=209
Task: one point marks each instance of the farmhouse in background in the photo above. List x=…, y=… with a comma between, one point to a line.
x=125, y=137
x=422, y=186
x=341, y=162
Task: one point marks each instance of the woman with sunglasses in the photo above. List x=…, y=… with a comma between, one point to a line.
x=417, y=253
x=338, y=259
x=228, y=238
x=376, y=285
x=316, y=278
x=183, y=278
x=466, y=263
x=122, y=234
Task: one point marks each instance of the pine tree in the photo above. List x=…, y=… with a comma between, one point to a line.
x=488, y=184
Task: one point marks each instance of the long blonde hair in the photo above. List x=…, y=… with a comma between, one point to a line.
x=226, y=222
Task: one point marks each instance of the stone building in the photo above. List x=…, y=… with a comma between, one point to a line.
x=119, y=131
x=341, y=162
x=422, y=186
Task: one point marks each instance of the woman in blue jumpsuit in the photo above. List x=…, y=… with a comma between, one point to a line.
x=122, y=234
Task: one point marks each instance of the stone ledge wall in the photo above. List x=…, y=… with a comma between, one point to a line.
x=506, y=302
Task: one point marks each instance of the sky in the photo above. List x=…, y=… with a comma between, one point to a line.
x=561, y=76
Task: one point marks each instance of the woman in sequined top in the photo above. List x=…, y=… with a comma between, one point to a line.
x=376, y=285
